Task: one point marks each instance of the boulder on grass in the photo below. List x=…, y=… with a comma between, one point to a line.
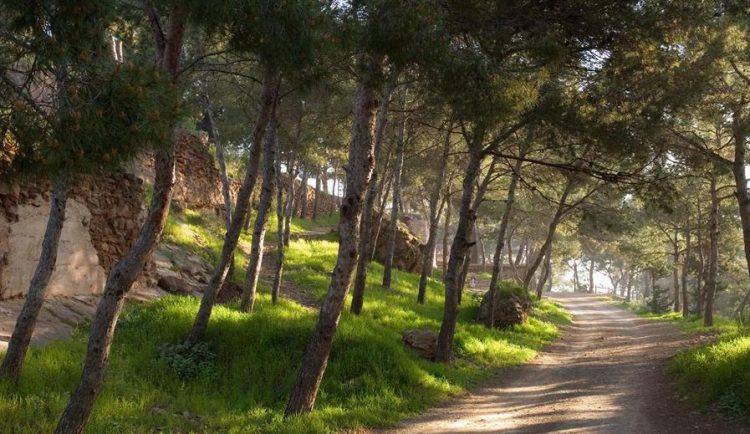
x=176, y=285
x=423, y=341
x=510, y=310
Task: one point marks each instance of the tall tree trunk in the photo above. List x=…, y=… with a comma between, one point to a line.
x=255, y=261
x=545, y=271
x=629, y=291
x=713, y=255
x=289, y=210
x=302, y=202
x=591, y=288
x=459, y=248
x=24, y=329
x=119, y=282
x=280, y=229
x=269, y=94
x=126, y=271
x=359, y=170
x=379, y=223
x=365, y=236
x=576, y=282
x=213, y=134
x=429, y=256
x=396, y=204
x=497, y=258
x=686, y=270
x=739, y=132
x=446, y=229
x=675, y=274
x=556, y=218
x=316, y=200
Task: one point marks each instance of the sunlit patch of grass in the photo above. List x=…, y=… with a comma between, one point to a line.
x=372, y=378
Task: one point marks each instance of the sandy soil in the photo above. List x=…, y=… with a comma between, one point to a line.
x=607, y=374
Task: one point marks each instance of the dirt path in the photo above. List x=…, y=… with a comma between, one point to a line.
x=607, y=374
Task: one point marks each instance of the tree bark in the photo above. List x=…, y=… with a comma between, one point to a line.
x=576, y=282
x=713, y=254
x=125, y=272
x=591, y=288
x=544, y=272
x=359, y=170
x=316, y=199
x=255, y=261
x=429, y=256
x=381, y=211
x=365, y=230
x=26, y=322
x=269, y=94
x=686, y=270
x=556, y=218
x=497, y=258
x=280, y=230
x=302, y=202
x=395, y=205
x=739, y=132
x=459, y=248
x=446, y=229
x=675, y=274
x=289, y=210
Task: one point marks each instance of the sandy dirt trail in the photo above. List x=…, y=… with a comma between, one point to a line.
x=607, y=374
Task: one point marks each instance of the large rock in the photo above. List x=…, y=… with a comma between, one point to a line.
x=423, y=341
x=509, y=310
x=176, y=285
x=409, y=252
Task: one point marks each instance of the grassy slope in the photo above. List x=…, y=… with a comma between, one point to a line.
x=716, y=374
x=372, y=380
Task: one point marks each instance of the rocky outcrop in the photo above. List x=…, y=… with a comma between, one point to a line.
x=509, y=310
x=409, y=250
x=104, y=214
x=422, y=341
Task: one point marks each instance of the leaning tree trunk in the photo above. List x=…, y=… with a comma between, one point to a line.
x=497, y=258
x=268, y=98
x=429, y=256
x=24, y=329
x=126, y=271
x=686, y=270
x=460, y=246
x=713, y=255
x=119, y=282
x=213, y=134
x=359, y=169
x=396, y=204
x=559, y=213
x=675, y=274
x=365, y=231
x=255, y=260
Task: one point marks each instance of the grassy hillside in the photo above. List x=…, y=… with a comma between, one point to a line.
x=240, y=379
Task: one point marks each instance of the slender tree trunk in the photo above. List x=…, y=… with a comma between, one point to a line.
x=359, y=170
x=396, y=204
x=379, y=223
x=461, y=244
x=26, y=322
x=576, y=282
x=743, y=197
x=365, y=235
x=591, y=276
x=126, y=271
x=280, y=230
x=497, y=258
x=675, y=274
x=289, y=210
x=255, y=261
x=446, y=229
x=556, y=218
x=429, y=256
x=544, y=272
x=302, y=202
x=686, y=270
x=316, y=200
x=269, y=94
x=629, y=291
x=713, y=254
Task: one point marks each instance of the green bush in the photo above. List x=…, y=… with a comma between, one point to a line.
x=506, y=288
x=188, y=361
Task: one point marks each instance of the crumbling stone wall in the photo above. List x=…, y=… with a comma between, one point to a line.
x=104, y=214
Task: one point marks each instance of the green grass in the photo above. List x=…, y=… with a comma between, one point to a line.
x=371, y=380
x=715, y=374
